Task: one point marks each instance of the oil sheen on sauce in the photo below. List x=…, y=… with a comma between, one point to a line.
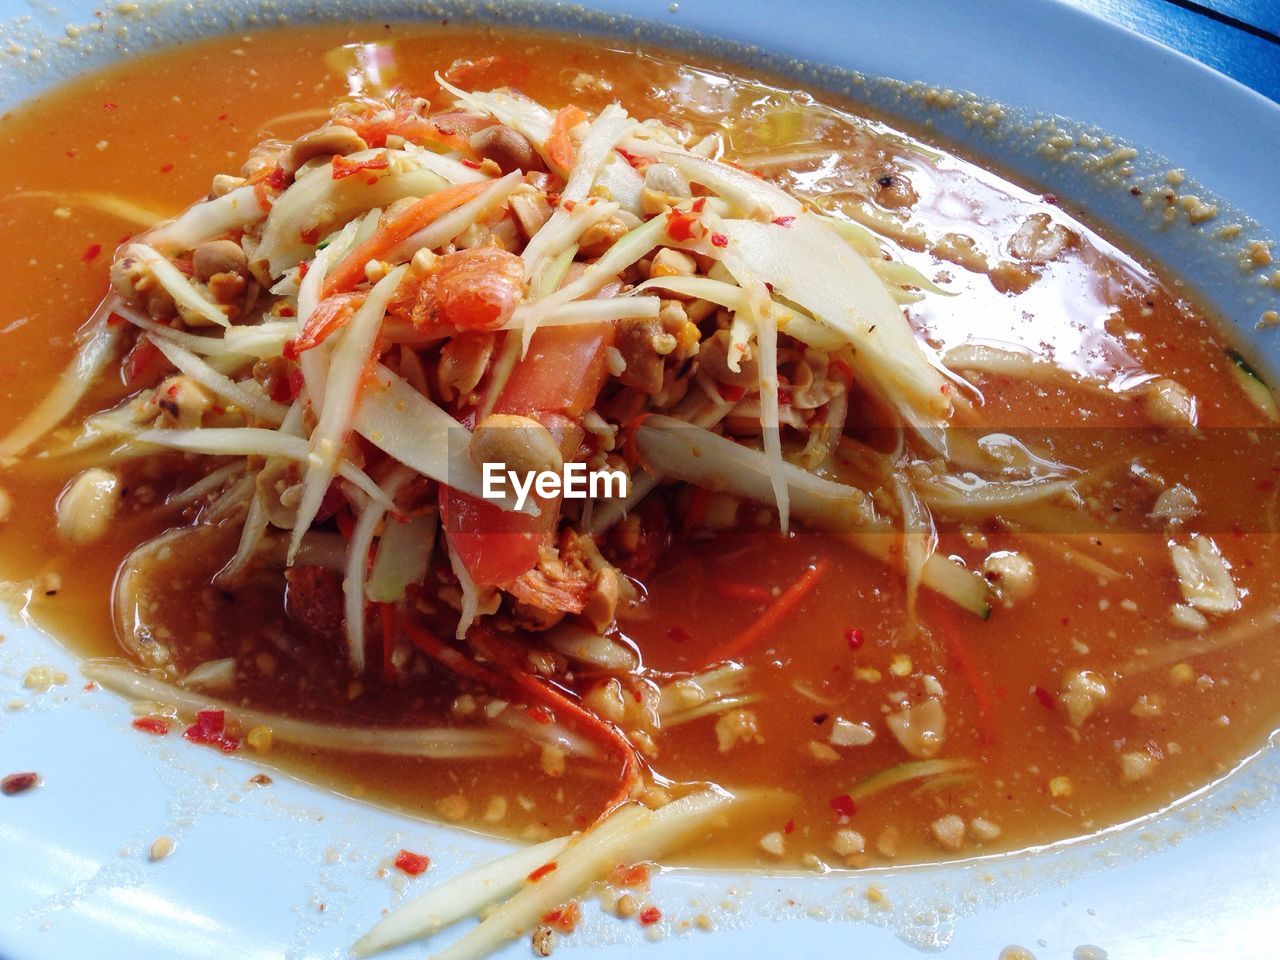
x=154, y=131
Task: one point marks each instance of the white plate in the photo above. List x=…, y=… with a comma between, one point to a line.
x=291, y=870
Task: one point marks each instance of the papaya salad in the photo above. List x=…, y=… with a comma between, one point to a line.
x=315, y=368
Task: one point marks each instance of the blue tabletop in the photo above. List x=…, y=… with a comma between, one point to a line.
x=1240, y=38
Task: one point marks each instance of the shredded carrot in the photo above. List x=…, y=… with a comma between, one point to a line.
x=769, y=621
x=351, y=270
x=262, y=198
x=455, y=661
x=946, y=629
x=515, y=680
x=492, y=647
x=560, y=147
x=745, y=592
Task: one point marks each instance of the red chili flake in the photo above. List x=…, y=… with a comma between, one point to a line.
x=649, y=916
x=768, y=286
x=343, y=168
x=312, y=235
x=16, y=783
x=412, y=863
x=1044, y=696
x=210, y=729
x=719, y=240
x=699, y=204
x=69, y=153
x=222, y=116
x=843, y=805
x=1050, y=198
x=784, y=221
x=275, y=179
x=303, y=267
x=152, y=725
x=636, y=875
x=679, y=634
x=541, y=872
x=290, y=350
x=854, y=638
x=563, y=919
x=731, y=392
x=285, y=312
x=469, y=163
x=789, y=827
x=166, y=167
x=91, y=252
x=680, y=225
x=109, y=106
x=90, y=686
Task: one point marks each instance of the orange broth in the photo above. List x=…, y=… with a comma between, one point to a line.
x=156, y=129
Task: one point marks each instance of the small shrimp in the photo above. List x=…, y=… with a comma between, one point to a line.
x=475, y=289
x=330, y=315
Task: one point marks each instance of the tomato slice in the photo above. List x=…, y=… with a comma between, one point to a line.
x=495, y=545
x=562, y=372
x=561, y=376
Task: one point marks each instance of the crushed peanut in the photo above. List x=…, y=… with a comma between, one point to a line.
x=773, y=844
